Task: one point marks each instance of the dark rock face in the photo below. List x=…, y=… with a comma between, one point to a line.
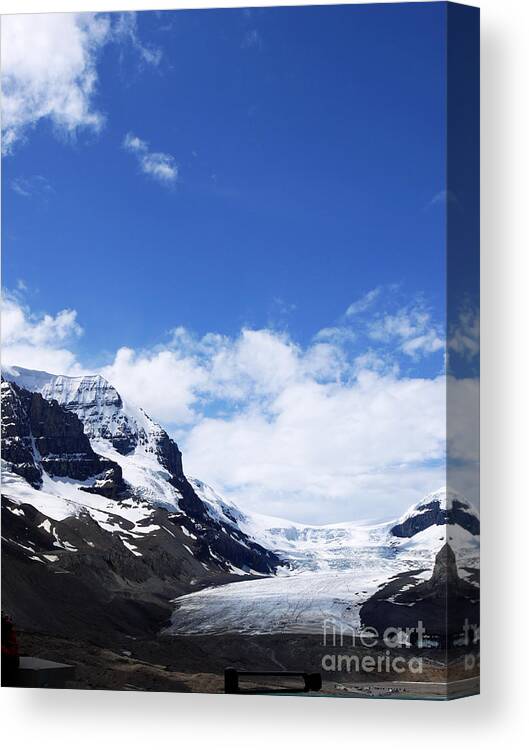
x=225, y=542
x=17, y=440
x=459, y=515
x=442, y=603
x=169, y=455
x=231, y=545
x=40, y=435
x=431, y=514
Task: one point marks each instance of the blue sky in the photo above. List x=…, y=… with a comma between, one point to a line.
x=309, y=145
x=275, y=171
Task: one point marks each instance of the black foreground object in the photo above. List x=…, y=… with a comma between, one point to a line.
x=311, y=681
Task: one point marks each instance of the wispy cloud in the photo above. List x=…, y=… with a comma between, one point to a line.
x=409, y=329
x=33, y=186
x=464, y=335
x=162, y=167
x=442, y=198
x=336, y=334
x=252, y=39
x=126, y=29
x=363, y=303
x=412, y=328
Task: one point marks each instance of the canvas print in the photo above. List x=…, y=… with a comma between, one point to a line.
x=240, y=350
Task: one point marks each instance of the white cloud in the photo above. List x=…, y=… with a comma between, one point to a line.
x=38, y=341
x=375, y=361
x=327, y=451
x=412, y=329
x=18, y=324
x=158, y=165
x=163, y=383
x=257, y=365
x=49, y=71
x=308, y=432
x=258, y=362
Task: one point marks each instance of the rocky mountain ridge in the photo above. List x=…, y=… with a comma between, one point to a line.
x=102, y=508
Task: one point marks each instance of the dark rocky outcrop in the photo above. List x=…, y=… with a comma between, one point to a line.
x=443, y=603
x=39, y=435
x=169, y=454
x=17, y=439
x=432, y=514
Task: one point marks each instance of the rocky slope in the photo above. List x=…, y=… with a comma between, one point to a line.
x=445, y=601
x=97, y=514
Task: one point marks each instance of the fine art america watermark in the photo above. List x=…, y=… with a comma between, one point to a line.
x=391, y=644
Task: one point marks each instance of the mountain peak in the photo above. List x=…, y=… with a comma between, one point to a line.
x=98, y=405
x=73, y=448
x=444, y=506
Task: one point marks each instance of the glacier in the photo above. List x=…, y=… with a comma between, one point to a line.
x=333, y=569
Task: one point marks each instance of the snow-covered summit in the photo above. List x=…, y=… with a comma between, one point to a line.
x=98, y=405
x=444, y=507
x=89, y=430
x=117, y=429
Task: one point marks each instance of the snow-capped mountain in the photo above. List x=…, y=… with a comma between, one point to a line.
x=90, y=483
x=441, y=508
x=444, y=516
x=120, y=431
x=94, y=490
